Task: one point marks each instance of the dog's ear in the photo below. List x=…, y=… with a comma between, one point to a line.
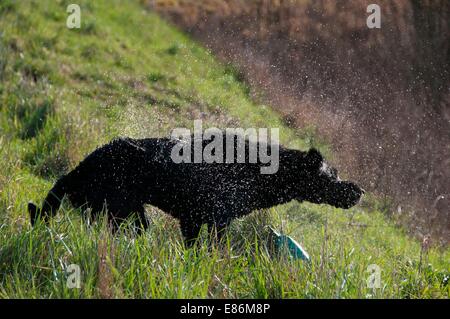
x=33, y=211
x=314, y=158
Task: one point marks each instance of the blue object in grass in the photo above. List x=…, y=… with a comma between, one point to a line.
x=294, y=248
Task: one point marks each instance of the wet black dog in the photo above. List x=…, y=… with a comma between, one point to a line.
x=124, y=175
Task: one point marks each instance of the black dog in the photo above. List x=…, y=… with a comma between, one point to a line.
x=127, y=173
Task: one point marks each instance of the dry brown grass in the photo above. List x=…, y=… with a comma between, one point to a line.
x=105, y=282
x=380, y=97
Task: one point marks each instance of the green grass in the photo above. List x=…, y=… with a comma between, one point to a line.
x=126, y=72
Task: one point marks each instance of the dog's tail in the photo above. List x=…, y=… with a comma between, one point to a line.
x=50, y=206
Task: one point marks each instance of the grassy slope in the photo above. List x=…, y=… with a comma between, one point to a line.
x=126, y=72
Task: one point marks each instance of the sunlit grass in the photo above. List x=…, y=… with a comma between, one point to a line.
x=126, y=72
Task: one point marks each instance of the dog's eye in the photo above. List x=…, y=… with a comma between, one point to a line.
x=334, y=173
x=329, y=171
x=324, y=168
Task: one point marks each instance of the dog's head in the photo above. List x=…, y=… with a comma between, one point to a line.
x=319, y=183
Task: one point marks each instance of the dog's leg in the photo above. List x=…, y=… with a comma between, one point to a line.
x=141, y=222
x=51, y=203
x=190, y=231
x=217, y=230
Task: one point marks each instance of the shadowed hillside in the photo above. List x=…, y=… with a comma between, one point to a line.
x=127, y=72
x=380, y=97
